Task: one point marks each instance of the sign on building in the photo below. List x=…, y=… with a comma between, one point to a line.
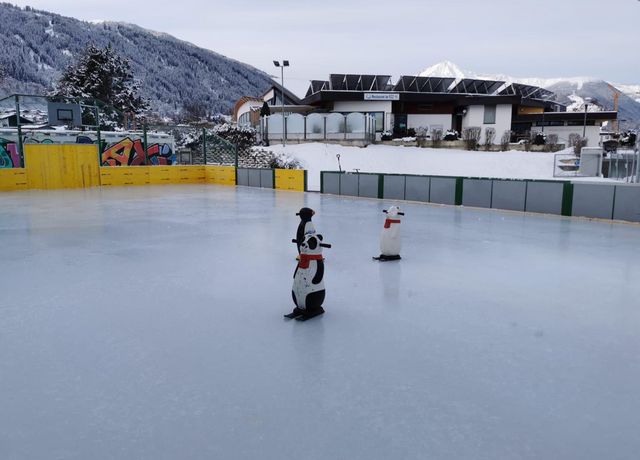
x=381, y=97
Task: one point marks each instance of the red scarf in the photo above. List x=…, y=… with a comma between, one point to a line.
x=306, y=258
x=388, y=222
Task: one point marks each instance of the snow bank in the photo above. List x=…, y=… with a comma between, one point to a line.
x=316, y=157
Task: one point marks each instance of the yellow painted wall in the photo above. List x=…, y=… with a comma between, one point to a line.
x=52, y=166
x=290, y=179
x=13, y=179
x=124, y=175
x=159, y=175
x=222, y=175
x=191, y=175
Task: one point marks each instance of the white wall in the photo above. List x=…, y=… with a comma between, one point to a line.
x=270, y=94
x=475, y=117
x=593, y=133
x=246, y=107
x=366, y=106
x=429, y=121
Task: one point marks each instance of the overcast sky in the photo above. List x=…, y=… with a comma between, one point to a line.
x=535, y=38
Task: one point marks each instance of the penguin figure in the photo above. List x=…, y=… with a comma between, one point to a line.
x=308, y=280
x=390, y=240
x=305, y=227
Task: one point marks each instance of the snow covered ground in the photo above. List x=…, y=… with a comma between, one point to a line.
x=316, y=157
x=146, y=323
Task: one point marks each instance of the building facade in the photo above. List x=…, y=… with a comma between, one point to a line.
x=425, y=104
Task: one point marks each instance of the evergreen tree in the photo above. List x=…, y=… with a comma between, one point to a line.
x=265, y=111
x=101, y=74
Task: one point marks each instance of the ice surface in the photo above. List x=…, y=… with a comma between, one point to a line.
x=146, y=323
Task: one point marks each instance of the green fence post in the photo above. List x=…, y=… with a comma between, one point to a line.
x=567, y=198
x=20, y=143
x=459, y=190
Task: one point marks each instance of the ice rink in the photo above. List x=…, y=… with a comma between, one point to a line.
x=146, y=323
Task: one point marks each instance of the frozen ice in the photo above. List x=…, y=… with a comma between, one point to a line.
x=146, y=323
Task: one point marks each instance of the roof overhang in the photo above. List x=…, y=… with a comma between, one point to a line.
x=412, y=97
x=565, y=116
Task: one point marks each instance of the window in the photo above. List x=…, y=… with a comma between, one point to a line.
x=379, y=117
x=489, y=114
x=244, y=119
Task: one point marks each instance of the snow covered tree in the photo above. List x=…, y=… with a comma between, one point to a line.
x=265, y=111
x=101, y=74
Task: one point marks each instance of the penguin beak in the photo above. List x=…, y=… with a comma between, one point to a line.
x=401, y=213
x=325, y=245
x=385, y=211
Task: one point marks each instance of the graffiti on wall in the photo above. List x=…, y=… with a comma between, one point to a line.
x=129, y=152
x=9, y=157
x=118, y=149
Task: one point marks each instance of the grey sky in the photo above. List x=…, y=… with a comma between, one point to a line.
x=535, y=38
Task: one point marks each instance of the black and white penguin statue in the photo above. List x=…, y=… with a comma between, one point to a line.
x=390, y=243
x=305, y=227
x=308, y=280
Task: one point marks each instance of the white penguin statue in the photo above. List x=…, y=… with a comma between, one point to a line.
x=390, y=243
x=308, y=280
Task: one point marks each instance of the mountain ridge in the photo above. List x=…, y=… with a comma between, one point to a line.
x=39, y=45
x=571, y=91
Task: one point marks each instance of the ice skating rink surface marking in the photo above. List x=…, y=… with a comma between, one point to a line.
x=146, y=323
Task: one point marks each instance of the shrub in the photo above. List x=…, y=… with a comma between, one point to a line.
x=505, y=139
x=471, y=137
x=436, y=137
x=538, y=138
x=451, y=135
x=387, y=136
x=577, y=142
x=489, y=137
x=411, y=132
x=244, y=137
x=552, y=142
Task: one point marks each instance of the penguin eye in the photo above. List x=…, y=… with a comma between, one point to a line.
x=313, y=243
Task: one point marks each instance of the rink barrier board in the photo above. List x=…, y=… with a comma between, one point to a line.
x=51, y=166
x=124, y=175
x=13, y=179
x=290, y=179
x=56, y=166
x=220, y=175
x=592, y=200
x=279, y=179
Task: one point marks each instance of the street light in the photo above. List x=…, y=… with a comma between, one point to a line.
x=586, y=105
x=285, y=63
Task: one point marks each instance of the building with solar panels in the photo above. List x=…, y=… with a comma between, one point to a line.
x=428, y=103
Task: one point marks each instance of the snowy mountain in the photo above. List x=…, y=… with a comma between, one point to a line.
x=37, y=46
x=570, y=91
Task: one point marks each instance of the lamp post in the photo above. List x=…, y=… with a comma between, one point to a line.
x=285, y=63
x=586, y=105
